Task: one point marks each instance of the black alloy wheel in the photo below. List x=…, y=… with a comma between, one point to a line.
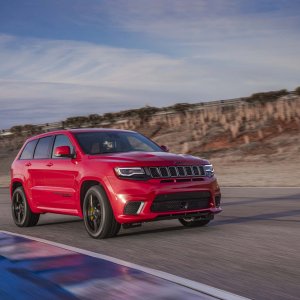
x=98, y=216
x=21, y=212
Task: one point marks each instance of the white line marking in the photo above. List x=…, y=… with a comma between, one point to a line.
x=200, y=287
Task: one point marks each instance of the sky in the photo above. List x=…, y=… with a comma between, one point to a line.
x=62, y=58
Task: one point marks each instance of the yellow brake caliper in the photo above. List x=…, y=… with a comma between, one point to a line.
x=91, y=213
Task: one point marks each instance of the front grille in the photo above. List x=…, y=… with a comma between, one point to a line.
x=188, y=171
x=173, y=171
x=196, y=170
x=181, y=171
x=178, y=171
x=181, y=201
x=154, y=172
x=164, y=172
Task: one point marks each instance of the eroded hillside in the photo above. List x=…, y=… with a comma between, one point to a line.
x=238, y=135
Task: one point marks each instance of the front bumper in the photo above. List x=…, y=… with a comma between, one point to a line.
x=142, y=196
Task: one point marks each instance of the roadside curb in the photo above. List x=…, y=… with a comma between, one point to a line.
x=193, y=285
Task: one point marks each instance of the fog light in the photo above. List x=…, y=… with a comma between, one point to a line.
x=133, y=207
x=218, y=200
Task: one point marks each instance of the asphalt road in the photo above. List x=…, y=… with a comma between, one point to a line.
x=251, y=249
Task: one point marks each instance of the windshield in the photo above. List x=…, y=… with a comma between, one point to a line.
x=114, y=141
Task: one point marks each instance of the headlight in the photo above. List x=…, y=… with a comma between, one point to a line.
x=131, y=173
x=209, y=170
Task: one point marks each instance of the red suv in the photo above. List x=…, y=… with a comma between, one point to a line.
x=110, y=177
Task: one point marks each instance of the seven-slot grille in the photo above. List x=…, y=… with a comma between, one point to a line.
x=175, y=171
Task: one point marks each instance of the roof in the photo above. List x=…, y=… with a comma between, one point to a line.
x=96, y=129
x=77, y=130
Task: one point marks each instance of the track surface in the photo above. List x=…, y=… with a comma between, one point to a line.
x=251, y=249
x=33, y=268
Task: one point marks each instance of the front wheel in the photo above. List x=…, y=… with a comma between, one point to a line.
x=194, y=221
x=21, y=212
x=98, y=216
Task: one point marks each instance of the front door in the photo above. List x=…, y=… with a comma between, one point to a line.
x=61, y=174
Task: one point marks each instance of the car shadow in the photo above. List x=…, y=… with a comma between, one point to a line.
x=151, y=231
x=295, y=197
x=46, y=223
x=229, y=220
x=261, y=217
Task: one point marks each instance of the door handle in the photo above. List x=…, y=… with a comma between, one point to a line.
x=49, y=164
x=28, y=164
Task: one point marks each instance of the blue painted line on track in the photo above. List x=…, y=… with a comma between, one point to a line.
x=32, y=269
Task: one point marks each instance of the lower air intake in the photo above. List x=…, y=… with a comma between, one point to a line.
x=181, y=202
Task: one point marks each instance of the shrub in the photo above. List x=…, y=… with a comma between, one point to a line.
x=146, y=112
x=181, y=107
x=16, y=129
x=266, y=97
x=109, y=117
x=76, y=121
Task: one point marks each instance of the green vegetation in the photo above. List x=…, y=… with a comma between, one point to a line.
x=266, y=96
x=28, y=128
x=76, y=121
x=182, y=107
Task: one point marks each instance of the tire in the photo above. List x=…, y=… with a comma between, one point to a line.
x=194, y=221
x=99, y=219
x=21, y=212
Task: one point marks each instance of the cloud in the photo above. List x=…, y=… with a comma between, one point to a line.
x=212, y=50
x=80, y=63
x=48, y=80
x=195, y=20
x=42, y=80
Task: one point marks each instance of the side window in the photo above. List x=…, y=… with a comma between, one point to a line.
x=61, y=140
x=43, y=148
x=27, y=152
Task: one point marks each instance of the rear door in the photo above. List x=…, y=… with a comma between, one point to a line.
x=38, y=171
x=23, y=168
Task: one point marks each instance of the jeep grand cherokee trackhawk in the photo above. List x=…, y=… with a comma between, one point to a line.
x=110, y=177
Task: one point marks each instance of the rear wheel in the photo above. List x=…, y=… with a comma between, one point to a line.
x=21, y=212
x=98, y=216
x=194, y=221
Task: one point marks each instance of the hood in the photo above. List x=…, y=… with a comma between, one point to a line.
x=150, y=158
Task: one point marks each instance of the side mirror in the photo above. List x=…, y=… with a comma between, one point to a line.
x=164, y=148
x=63, y=151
